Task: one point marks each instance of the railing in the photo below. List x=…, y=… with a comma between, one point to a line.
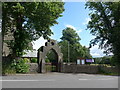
x=51, y=67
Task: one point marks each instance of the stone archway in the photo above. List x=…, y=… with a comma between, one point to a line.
x=42, y=51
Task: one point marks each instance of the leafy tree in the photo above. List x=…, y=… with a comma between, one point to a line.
x=86, y=52
x=70, y=35
x=28, y=21
x=70, y=40
x=105, y=60
x=105, y=25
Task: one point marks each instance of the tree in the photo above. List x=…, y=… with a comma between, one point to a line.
x=105, y=25
x=70, y=41
x=86, y=53
x=70, y=35
x=28, y=21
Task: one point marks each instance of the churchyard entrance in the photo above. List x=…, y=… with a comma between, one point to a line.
x=50, y=57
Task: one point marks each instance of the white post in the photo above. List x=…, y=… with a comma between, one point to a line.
x=68, y=53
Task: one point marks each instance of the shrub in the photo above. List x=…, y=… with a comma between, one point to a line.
x=22, y=67
x=34, y=60
x=15, y=66
x=7, y=67
x=27, y=60
x=47, y=60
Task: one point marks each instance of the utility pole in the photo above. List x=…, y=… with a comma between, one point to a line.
x=68, y=52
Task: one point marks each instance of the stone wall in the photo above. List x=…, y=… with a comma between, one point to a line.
x=88, y=69
x=108, y=69
x=33, y=68
x=73, y=68
x=79, y=69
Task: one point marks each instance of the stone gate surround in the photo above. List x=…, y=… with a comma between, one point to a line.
x=42, y=52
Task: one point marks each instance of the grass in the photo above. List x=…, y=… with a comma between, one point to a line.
x=107, y=65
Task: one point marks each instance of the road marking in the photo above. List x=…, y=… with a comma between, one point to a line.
x=27, y=80
x=83, y=79
x=107, y=79
x=100, y=79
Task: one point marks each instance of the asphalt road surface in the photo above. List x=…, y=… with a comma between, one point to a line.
x=59, y=80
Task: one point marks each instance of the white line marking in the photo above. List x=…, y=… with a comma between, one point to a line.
x=99, y=79
x=83, y=79
x=107, y=79
x=26, y=80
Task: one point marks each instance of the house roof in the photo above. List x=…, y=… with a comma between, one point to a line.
x=30, y=54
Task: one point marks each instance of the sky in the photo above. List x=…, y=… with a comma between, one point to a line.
x=76, y=17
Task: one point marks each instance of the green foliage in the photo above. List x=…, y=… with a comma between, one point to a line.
x=105, y=25
x=28, y=21
x=15, y=66
x=47, y=60
x=7, y=66
x=114, y=61
x=70, y=35
x=110, y=60
x=21, y=66
x=33, y=60
x=26, y=60
x=70, y=41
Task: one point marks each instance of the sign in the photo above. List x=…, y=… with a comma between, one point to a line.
x=89, y=60
x=78, y=61
x=83, y=61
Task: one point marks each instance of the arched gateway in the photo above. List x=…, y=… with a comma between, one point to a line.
x=42, y=52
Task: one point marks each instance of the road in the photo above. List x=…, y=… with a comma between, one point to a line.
x=59, y=80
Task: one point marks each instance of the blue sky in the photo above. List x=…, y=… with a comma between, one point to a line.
x=76, y=17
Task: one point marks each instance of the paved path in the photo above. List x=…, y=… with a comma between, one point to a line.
x=59, y=80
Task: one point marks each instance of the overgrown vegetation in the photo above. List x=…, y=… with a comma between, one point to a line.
x=16, y=66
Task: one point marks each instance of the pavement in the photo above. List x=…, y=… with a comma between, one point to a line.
x=59, y=80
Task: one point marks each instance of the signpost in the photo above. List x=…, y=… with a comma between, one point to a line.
x=90, y=60
x=78, y=61
x=82, y=61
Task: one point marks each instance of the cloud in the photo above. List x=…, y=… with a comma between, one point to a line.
x=86, y=21
x=70, y=26
x=79, y=31
x=38, y=43
x=95, y=52
x=76, y=29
